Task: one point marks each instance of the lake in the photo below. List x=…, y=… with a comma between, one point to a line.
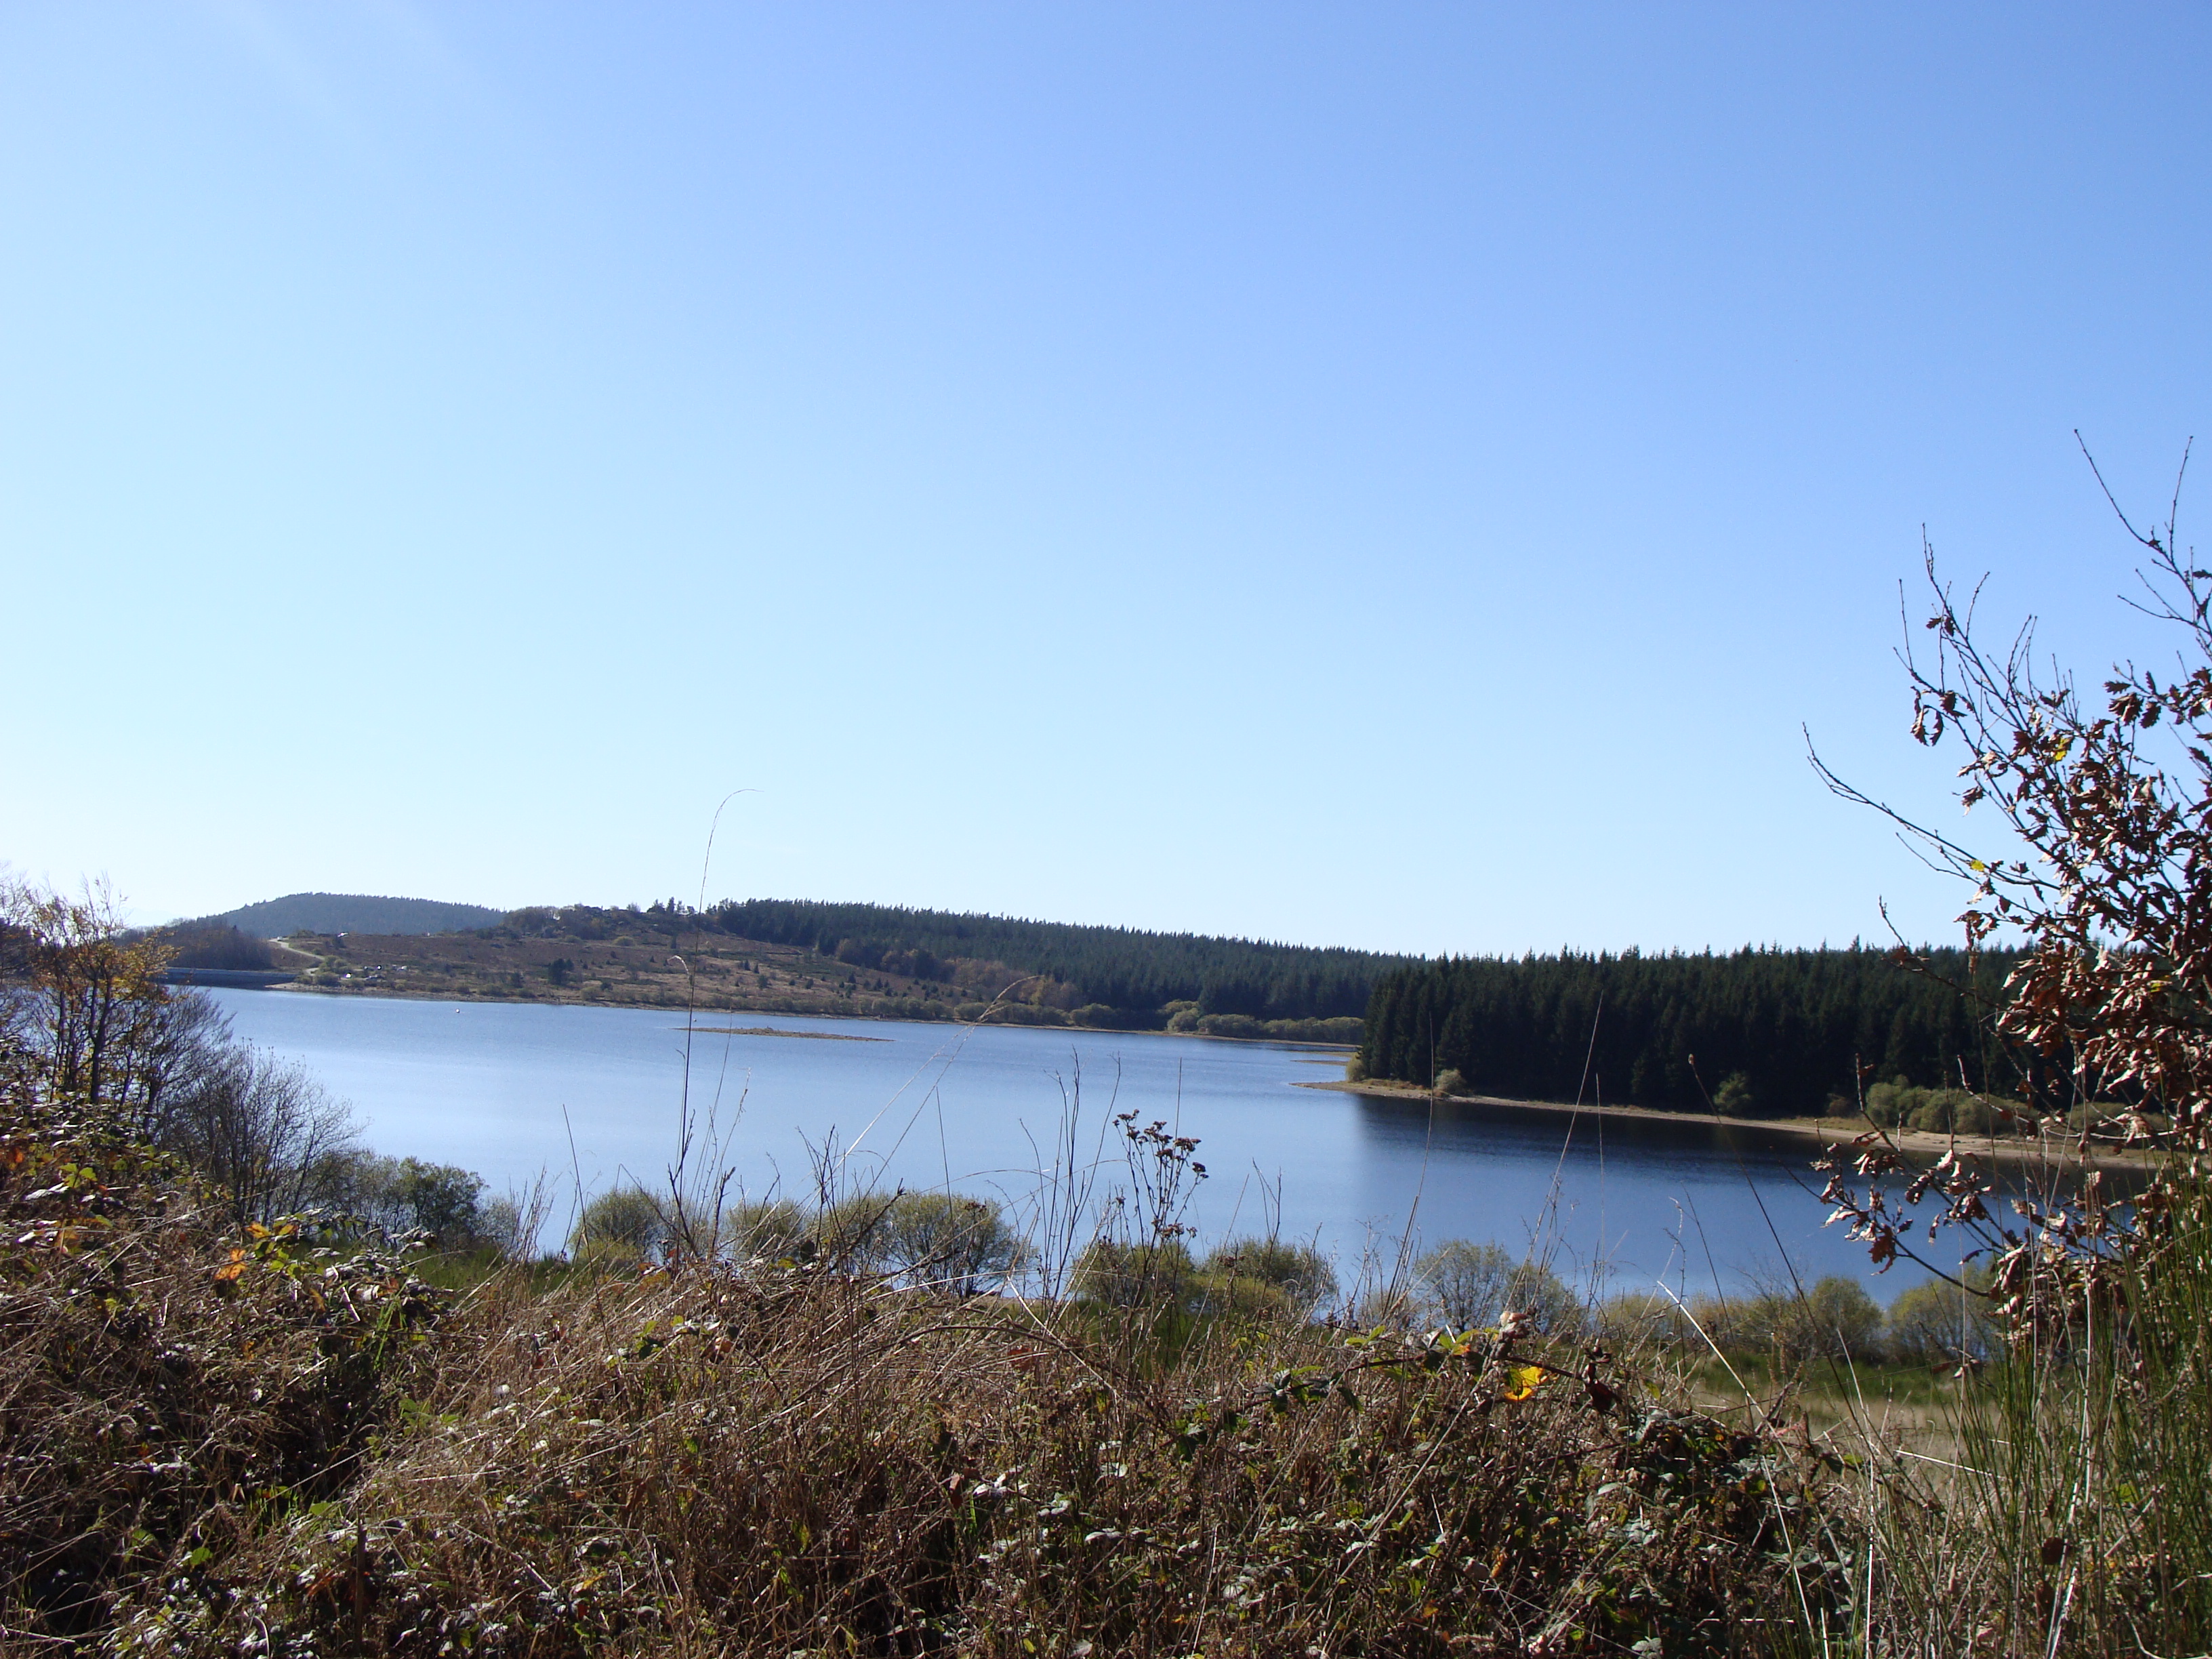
x=507, y=1090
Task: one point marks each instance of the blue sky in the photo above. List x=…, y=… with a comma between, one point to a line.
x=1398, y=477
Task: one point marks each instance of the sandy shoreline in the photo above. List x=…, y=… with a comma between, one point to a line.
x=1826, y=1131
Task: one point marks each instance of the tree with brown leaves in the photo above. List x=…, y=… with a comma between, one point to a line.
x=2105, y=803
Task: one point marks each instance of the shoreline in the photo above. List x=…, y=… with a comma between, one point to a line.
x=1827, y=1131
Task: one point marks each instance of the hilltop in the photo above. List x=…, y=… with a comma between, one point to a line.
x=352, y=913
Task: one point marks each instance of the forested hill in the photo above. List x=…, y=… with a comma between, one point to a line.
x=1121, y=967
x=352, y=913
x=1788, y=1025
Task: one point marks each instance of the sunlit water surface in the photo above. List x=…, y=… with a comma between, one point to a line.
x=513, y=1090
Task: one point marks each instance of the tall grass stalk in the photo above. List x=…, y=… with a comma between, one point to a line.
x=2075, y=1517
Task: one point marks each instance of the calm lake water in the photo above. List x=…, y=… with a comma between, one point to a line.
x=485, y=1085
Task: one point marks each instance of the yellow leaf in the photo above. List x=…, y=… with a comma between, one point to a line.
x=1521, y=1381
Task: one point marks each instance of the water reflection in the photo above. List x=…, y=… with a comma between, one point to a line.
x=1696, y=1203
x=509, y=1090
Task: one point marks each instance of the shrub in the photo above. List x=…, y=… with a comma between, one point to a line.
x=1449, y=1082
x=627, y=1219
x=503, y=1225
x=1899, y=1105
x=165, y=1379
x=1155, y=1276
x=1470, y=1286
x=1299, y=1274
x=1734, y=1097
x=1636, y=1318
x=1834, y=1320
x=404, y=1195
x=777, y=1230
x=1938, y=1324
x=260, y=1128
x=942, y=1241
x=1230, y=1025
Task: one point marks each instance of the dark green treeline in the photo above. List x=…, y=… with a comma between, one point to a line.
x=1793, y=1024
x=1122, y=967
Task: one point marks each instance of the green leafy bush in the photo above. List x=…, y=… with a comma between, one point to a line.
x=1299, y=1276
x=1471, y=1285
x=623, y=1221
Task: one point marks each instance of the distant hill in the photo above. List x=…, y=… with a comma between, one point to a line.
x=1123, y=967
x=353, y=912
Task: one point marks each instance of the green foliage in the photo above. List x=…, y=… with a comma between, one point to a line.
x=1734, y=1097
x=1834, y=1320
x=1230, y=1025
x=1939, y=1324
x=1634, y=1318
x=1470, y=1286
x=1162, y=1274
x=404, y=1195
x=1940, y=1111
x=774, y=1230
x=1794, y=1025
x=943, y=1241
x=623, y=1220
x=1298, y=1275
x=1119, y=968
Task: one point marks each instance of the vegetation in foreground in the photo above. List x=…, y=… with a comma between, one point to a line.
x=283, y=1440
x=776, y=1428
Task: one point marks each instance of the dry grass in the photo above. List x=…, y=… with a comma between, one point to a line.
x=287, y=1443
x=164, y=1388
x=798, y=1462
x=243, y=1446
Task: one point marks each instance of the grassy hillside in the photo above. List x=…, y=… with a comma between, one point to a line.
x=791, y=956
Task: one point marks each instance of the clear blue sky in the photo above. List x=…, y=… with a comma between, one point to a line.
x=1394, y=475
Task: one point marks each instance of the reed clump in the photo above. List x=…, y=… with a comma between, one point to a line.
x=2071, y=1516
